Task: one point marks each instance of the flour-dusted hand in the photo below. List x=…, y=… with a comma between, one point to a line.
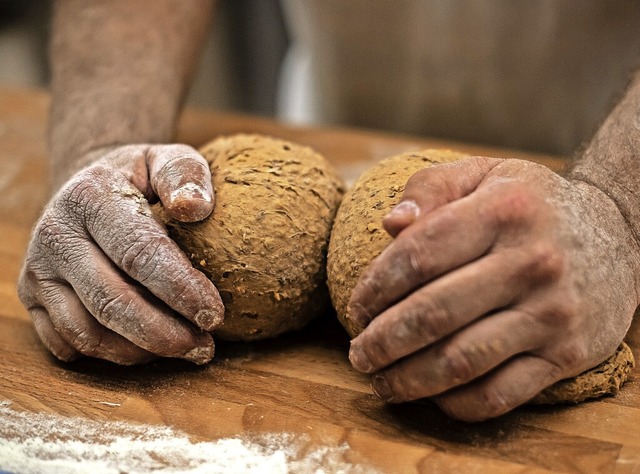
x=503, y=278
x=103, y=279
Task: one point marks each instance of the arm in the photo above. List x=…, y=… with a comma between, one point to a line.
x=120, y=70
x=504, y=277
x=611, y=161
x=101, y=277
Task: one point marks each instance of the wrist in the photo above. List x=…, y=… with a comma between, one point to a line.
x=614, y=227
x=63, y=170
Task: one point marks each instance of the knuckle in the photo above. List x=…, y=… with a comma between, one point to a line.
x=515, y=206
x=545, y=261
x=181, y=161
x=51, y=293
x=419, y=264
x=373, y=344
x=185, y=290
x=109, y=307
x=370, y=283
x=50, y=231
x=561, y=313
x=56, y=237
x=457, y=363
x=140, y=259
x=485, y=402
x=493, y=402
x=571, y=354
x=64, y=354
x=378, y=351
x=96, y=197
x=417, y=179
x=25, y=296
x=554, y=372
x=25, y=288
x=174, y=167
x=82, y=191
x=35, y=290
x=429, y=321
x=87, y=342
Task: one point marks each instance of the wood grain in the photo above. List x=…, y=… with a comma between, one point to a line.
x=301, y=383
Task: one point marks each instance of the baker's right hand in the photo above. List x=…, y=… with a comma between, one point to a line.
x=101, y=276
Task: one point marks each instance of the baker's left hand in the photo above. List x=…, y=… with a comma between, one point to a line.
x=503, y=278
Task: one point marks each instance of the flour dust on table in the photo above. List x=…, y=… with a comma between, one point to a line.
x=40, y=443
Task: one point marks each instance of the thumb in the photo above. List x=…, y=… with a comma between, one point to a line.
x=433, y=187
x=181, y=179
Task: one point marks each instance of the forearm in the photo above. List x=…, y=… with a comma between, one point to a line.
x=611, y=161
x=120, y=70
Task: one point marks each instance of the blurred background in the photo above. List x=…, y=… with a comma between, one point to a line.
x=538, y=76
x=23, y=37
x=236, y=72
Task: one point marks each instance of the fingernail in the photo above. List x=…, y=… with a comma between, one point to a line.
x=381, y=388
x=200, y=355
x=190, y=203
x=405, y=210
x=190, y=191
x=208, y=320
x=359, y=360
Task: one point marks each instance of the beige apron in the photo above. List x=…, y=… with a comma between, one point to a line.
x=536, y=74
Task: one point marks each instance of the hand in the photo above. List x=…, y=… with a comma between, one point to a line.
x=502, y=278
x=101, y=276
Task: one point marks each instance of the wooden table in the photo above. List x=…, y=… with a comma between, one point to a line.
x=301, y=383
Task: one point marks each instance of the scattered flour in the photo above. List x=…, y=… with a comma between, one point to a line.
x=45, y=443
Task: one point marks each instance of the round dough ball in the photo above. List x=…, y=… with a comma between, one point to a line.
x=264, y=246
x=358, y=236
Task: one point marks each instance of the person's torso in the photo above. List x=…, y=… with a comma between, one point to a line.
x=538, y=75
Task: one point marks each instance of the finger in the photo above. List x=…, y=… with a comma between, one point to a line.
x=50, y=337
x=81, y=331
x=446, y=239
x=181, y=178
x=508, y=387
x=463, y=357
x=124, y=227
x=400, y=217
x=128, y=309
x=434, y=187
x=29, y=293
x=498, y=213
x=442, y=307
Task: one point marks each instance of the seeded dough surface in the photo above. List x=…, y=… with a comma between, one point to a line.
x=358, y=237
x=264, y=246
x=604, y=379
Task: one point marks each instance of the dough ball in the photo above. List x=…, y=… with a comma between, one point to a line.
x=604, y=379
x=358, y=236
x=264, y=246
